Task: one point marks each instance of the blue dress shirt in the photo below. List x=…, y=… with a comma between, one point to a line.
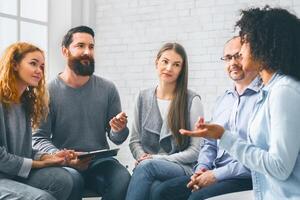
x=272, y=150
x=232, y=111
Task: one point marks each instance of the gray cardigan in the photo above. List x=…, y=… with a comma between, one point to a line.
x=16, y=153
x=150, y=133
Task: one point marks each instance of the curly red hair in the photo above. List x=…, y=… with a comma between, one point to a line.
x=35, y=99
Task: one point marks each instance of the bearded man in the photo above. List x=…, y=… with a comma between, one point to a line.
x=84, y=110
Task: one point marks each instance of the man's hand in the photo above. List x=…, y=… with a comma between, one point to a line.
x=80, y=164
x=204, y=130
x=67, y=154
x=193, y=182
x=119, y=122
x=203, y=180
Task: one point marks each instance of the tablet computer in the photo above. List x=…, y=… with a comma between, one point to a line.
x=103, y=153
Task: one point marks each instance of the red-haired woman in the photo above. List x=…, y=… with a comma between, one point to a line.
x=24, y=172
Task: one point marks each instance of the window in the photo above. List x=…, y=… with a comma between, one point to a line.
x=24, y=20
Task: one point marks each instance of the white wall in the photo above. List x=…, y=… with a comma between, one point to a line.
x=63, y=15
x=130, y=32
x=59, y=22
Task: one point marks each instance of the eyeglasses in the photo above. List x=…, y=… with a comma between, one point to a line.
x=228, y=58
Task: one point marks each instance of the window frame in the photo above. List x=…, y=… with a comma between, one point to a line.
x=19, y=19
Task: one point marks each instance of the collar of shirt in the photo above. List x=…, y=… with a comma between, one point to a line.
x=255, y=86
x=273, y=80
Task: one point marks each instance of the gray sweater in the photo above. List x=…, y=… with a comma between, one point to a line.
x=16, y=153
x=79, y=117
x=150, y=132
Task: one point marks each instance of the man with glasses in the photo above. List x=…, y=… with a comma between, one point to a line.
x=217, y=172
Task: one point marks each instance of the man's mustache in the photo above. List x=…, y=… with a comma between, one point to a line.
x=85, y=57
x=233, y=67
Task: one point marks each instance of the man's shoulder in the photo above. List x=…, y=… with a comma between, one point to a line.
x=287, y=81
x=54, y=83
x=226, y=93
x=103, y=82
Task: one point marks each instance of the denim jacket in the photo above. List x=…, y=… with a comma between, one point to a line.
x=272, y=151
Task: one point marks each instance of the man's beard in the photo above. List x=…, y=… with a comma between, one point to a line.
x=81, y=66
x=237, y=77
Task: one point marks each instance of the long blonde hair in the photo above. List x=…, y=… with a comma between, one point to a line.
x=35, y=99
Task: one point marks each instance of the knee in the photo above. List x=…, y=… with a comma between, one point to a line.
x=44, y=196
x=198, y=195
x=124, y=179
x=125, y=175
x=156, y=190
x=64, y=180
x=120, y=176
x=145, y=167
x=76, y=178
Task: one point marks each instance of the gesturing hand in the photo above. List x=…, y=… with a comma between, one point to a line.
x=204, y=130
x=118, y=122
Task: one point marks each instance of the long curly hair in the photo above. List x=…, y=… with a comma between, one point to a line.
x=274, y=38
x=35, y=99
x=178, y=112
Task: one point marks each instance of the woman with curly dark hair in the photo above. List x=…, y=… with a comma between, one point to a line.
x=271, y=44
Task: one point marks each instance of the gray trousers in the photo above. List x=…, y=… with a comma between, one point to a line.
x=49, y=183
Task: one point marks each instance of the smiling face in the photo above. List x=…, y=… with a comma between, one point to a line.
x=30, y=69
x=233, y=65
x=80, y=54
x=169, y=66
x=239, y=68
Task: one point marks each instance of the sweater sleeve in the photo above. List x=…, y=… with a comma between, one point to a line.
x=10, y=163
x=113, y=110
x=135, y=142
x=14, y=165
x=41, y=139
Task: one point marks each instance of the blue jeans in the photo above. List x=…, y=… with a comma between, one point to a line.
x=107, y=177
x=42, y=184
x=175, y=189
x=150, y=172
